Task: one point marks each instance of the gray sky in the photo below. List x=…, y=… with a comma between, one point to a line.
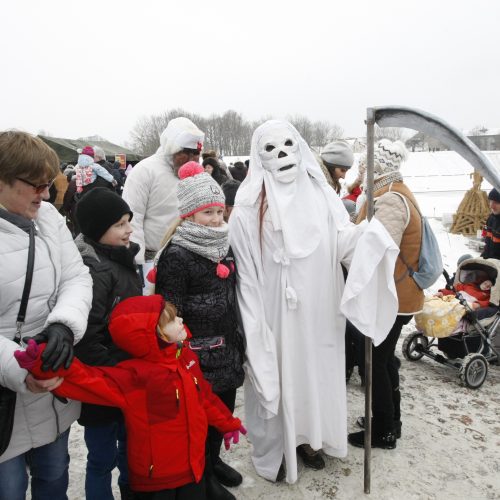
x=76, y=68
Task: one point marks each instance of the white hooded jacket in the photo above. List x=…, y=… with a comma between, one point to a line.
x=150, y=189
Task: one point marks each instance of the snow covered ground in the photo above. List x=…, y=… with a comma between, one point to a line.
x=450, y=446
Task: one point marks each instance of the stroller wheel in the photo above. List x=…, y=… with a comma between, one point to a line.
x=473, y=370
x=414, y=346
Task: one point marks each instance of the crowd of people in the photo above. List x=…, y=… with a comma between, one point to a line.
x=143, y=309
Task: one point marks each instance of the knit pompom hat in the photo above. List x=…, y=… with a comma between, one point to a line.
x=388, y=156
x=88, y=150
x=197, y=190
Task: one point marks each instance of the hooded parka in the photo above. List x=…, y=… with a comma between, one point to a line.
x=166, y=402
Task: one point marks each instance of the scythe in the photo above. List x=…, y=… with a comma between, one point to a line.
x=400, y=116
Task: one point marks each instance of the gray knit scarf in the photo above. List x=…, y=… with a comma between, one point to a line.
x=387, y=179
x=209, y=242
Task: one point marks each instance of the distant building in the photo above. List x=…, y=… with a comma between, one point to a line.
x=421, y=142
x=484, y=139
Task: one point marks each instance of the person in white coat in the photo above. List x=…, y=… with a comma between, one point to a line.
x=58, y=306
x=151, y=186
x=290, y=233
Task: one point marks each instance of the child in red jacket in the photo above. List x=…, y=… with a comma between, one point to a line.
x=166, y=402
x=477, y=295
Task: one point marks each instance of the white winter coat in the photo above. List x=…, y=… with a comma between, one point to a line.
x=151, y=187
x=61, y=292
x=151, y=193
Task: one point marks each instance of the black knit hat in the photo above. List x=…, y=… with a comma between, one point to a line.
x=229, y=188
x=494, y=195
x=98, y=210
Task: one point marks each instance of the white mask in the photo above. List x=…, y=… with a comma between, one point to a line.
x=280, y=154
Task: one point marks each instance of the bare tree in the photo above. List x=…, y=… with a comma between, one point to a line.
x=303, y=126
x=228, y=134
x=320, y=134
x=145, y=135
x=336, y=132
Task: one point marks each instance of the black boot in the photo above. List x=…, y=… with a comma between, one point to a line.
x=387, y=441
x=281, y=472
x=226, y=474
x=310, y=457
x=215, y=490
x=397, y=426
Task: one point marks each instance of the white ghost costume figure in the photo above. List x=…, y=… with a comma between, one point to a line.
x=291, y=290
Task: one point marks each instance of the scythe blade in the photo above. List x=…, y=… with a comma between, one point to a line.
x=398, y=116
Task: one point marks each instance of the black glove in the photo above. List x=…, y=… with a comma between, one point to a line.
x=59, y=350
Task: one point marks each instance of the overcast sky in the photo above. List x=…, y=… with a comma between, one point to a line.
x=78, y=68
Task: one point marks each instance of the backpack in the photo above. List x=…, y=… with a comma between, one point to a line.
x=430, y=264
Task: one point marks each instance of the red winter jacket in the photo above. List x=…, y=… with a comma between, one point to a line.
x=483, y=297
x=166, y=402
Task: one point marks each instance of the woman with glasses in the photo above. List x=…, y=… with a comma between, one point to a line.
x=58, y=305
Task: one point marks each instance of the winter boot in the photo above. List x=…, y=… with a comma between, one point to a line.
x=226, y=474
x=397, y=426
x=215, y=490
x=310, y=457
x=387, y=440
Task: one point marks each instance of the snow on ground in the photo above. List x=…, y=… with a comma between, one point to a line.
x=450, y=448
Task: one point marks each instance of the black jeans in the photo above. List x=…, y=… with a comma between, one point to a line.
x=386, y=396
x=214, y=437
x=191, y=491
x=354, y=349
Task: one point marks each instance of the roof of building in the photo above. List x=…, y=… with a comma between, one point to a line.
x=66, y=149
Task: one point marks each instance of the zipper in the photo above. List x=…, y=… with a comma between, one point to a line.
x=150, y=475
x=196, y=384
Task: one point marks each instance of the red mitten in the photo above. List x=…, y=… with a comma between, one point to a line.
x=234, y=435
x=27, y=359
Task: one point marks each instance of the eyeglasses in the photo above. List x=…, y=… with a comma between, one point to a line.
x=40, y=188
x=190, y=151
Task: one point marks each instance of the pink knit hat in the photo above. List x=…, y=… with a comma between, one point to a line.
x=88, y=150
x=197, y=190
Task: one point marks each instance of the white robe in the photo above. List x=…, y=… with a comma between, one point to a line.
x=291, y=312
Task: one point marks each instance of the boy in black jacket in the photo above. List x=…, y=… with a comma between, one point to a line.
x=104, y=220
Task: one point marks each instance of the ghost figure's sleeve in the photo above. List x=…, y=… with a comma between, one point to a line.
x=261, y=365
x=369, y=300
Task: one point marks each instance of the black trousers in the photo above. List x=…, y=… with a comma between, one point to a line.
x=214, y=438
x=386, y=401
x=354, y=349
x=191, y=491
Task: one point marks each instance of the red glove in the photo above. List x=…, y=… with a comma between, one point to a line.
x=234, y=435
x=27, y=359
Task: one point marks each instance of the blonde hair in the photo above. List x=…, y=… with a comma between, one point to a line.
x=167, y=315
x=170, y=232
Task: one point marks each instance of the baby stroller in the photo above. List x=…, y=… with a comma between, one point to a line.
x=475, y=342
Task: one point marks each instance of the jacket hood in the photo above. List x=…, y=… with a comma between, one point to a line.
x=180, y=133
x=133, y=325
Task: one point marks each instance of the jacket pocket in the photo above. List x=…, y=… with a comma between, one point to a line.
x=163, y=399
